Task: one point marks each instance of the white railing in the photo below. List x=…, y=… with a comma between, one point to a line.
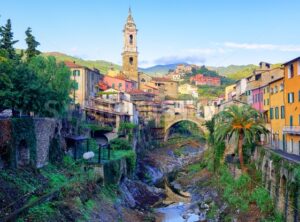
x=291, y=129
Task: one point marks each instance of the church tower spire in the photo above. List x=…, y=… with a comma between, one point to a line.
x=130, y=52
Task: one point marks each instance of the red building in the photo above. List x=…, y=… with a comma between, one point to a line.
x=201, y=80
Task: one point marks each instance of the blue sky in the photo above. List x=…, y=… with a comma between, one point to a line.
x=210, y=32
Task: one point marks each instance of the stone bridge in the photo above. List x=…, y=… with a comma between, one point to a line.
x=171, y=119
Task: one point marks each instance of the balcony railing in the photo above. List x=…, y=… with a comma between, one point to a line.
x=291, y=129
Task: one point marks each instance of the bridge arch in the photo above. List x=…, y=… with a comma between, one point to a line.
x=168, y=125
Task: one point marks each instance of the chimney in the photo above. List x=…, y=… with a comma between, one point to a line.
x=264, y=65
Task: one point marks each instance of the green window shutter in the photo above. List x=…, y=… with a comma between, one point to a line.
x=271, y=113
x=276, y=113
x=282, y=112
x=291, y=120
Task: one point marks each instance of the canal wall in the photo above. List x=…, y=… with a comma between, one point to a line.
x=281, y=177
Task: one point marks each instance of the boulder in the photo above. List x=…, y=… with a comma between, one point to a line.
x=139, y=195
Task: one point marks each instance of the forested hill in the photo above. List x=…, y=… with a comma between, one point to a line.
x=102, y=65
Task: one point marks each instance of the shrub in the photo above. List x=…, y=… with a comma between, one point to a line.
x=131, y=160
x=262, y=198
x=196, y=167
x=44, y=212
x=120, y=144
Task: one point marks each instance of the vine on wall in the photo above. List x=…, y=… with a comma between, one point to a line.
x=23, y=129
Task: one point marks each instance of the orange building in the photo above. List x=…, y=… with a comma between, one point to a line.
x=277, y=113
x=292, y=105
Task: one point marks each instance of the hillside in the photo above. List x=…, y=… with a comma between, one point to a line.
x=228, y=70
x=159, y=69
x=234, y=72
x=102, y=65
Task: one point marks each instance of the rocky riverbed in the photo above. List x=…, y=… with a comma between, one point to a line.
x=187, y=195
x=165, y=190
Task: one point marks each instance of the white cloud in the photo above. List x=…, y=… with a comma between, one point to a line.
x=257, y=46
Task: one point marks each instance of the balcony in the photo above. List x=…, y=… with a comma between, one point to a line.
x=291, y=130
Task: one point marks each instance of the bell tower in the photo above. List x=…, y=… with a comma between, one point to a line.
x=130, y=53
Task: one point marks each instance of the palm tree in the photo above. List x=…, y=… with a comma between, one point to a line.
x=242, y=122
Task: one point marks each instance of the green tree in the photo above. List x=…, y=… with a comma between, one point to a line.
x=32, y=44
x=54, y=81
x=7, y=40
x=243, y=123
x=5, y=81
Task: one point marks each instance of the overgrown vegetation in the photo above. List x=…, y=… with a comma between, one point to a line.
x=120, y=144
x=73, y=192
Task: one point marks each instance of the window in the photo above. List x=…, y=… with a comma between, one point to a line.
x=276, y=113
x=76, y=72
x=271, y=113
x=264, y=102
x=290, y=97
x=291, y=71
x=131, y=39
x=113, y=86
x=281, y=87
x=143, y=80
x=291, y=120
x=268, y=101
x=271, y=90
x=299, y=95
x=130, y=60
x=282, y=112
x=120, y=85
x=275, y=89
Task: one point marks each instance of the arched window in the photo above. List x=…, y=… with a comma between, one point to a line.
x=143, y=80
x=131, y=60
x=131, y=39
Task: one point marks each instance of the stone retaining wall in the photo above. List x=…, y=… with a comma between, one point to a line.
x=279, y=179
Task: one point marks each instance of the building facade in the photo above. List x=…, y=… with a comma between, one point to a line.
x=120, y=83
x=86, y=82
x=188, y=89
x=277, y=113
x=292, y=105
x=201, y=80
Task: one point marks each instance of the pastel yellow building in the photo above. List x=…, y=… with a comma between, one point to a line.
x=292, y=105
x=277, y=113
x=188, y=89
x=229, y=90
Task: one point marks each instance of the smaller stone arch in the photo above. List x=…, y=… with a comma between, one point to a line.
x=282, y=203
x=22, y=154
